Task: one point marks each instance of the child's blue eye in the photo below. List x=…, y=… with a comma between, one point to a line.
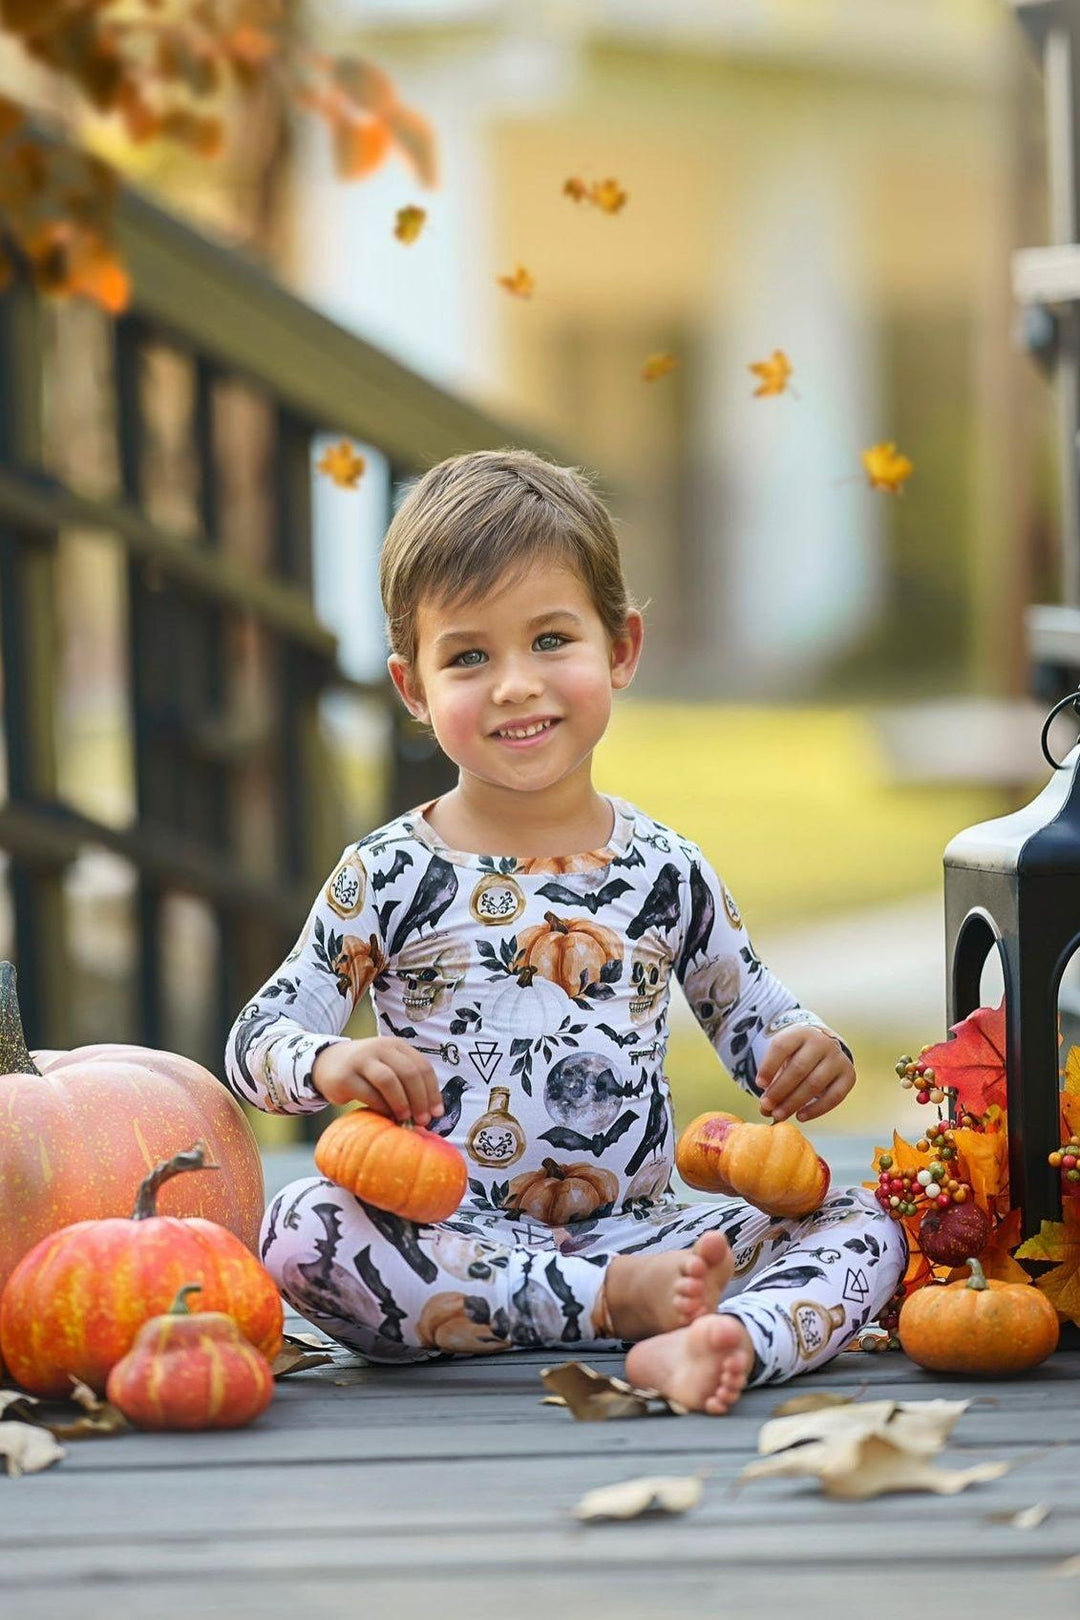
x=546, y=635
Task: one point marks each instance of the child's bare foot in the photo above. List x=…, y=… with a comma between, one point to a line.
x=704, y=1366
x=647, y=1294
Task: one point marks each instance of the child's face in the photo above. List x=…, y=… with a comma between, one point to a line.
x=536, y=649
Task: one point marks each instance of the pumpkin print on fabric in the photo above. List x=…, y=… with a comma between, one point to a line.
x=357, y=963
x=462, y=1323
x=558, y=1194
x=571, y=952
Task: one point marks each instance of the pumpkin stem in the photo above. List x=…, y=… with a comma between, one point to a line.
x=558, y=925
x=526, y=975
x=179, y=1306
x=191, y=1159
x=977, y=1279
x=554, y=1170
x=14, y=1057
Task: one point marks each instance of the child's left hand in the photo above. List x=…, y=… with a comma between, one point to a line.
x=804, y=1072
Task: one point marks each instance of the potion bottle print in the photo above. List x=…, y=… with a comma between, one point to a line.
x=815, y=1325
x=497, y=1139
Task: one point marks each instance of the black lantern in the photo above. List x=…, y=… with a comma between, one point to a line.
x=1014, y=884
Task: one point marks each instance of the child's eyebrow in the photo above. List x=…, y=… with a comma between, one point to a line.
x=475, y=635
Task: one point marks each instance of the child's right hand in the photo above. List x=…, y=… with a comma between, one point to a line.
x=385, y=1073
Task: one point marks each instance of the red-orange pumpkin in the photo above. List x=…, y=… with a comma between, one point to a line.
x=73, y=1305
x=400, y=1168
x=772, y=1166
x=79, y=1130
x=190, y=1371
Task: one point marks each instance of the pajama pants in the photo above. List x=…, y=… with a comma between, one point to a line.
x=481, y=1282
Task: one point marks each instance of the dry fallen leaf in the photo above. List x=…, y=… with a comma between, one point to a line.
x=775, y=374
x=1028, y=1518
x=1071, y=1566
x=310, y=1341
x=857, y=1467
x=886, y=468
x=409, y=222
x=920, y=1427
x=27, y=1449
x=594, y=1397
x=97, y=1418
x=521, y=284
x=343, y=464
x=658, y=365
x=293, y=1361
x=656, y=1493
x=799, y=1404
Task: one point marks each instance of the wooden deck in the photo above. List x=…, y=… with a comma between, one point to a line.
x=447, y=1490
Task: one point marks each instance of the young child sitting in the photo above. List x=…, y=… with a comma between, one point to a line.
x=517, y=936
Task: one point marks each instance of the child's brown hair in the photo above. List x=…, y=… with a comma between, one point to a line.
x=474, y=519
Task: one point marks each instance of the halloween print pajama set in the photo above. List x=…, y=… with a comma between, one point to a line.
x=538, y=988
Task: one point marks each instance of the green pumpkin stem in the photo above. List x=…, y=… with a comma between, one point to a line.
x=977, y=1279
x=179, y=1306
x=14, y=1057
x=191, y=1159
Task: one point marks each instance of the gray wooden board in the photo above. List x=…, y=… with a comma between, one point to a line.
x=447, y=1488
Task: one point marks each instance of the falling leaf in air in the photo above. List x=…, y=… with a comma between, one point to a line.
x=409, y=223
x=593, y=1397
x=658, y=365
x=886, y=468
x=973, y=1062
x=343, y=464
x=521, y=284
x=576, y=188
x=1059, y=1241
x=608, y=196
x=775, y=373
x=655, y=1493
x=26, y=1449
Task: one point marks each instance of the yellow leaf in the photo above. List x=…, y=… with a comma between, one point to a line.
x=521, y=284
x=983, y=1162
x=608, y=196
x=658, y=365
x=343, y=464
x=886, y=468
x=774, y=373
x=1047, y=1244
x=409, y=223
x=1070, y=1093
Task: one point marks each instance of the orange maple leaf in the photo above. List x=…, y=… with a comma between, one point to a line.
x=1060, y=1241
x=521, y=284
x=886, y=468
x=658, y=365
x=576, y=188
x=983, y=1162
x=775, y=374
x=974, y=1060
x=343, y=464
x=409, y=222
x=608, y=196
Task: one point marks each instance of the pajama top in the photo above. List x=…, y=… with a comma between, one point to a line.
x=538, y=988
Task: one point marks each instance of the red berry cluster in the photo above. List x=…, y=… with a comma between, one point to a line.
x=1066, y=1158
x=914, y=1072
x=899, y=1193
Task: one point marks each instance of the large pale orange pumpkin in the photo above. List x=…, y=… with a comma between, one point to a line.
x=772, y=1166
x=401, y=1168
x=80, y=1129
x=73, y=1305
x=563, y=948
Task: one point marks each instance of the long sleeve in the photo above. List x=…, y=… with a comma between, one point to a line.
x=738, y=1003
x=306, y=1003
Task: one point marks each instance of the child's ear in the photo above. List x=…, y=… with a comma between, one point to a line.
x=410, y=691
x=626, y=650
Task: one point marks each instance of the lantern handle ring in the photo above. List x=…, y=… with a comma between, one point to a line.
x=1073, y=702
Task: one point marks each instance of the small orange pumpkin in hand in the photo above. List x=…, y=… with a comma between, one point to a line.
x=774, y=1167
x=978, y=1325
x=400, y=1168
x=191, y=1370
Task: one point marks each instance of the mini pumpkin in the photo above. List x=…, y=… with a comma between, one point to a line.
x=190, y=1370
x=73, y=1305
x=560, y=1193
x=978, y=1325
x=462, y=1324
x=774, y=1167
x=563, y=948
x=400, y=1168
x=948, y=1236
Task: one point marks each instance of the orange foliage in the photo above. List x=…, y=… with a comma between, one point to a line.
x=409, y=223
x=607, y=195
x=521, y=284
x=886, y=468
x=1060, y=1241
x=658, y=365
x=974, y=1060
x=342, y=463
x=775, y=374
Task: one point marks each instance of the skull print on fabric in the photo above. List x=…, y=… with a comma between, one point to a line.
x=538, y=988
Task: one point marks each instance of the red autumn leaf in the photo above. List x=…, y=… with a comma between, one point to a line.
x=973, y=1062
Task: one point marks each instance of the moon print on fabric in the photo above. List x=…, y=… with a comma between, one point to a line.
x=497, y=898
x=712, y=990
x=650, y=972
x=582, y=1091
x=430, y=971
x=347, y=887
